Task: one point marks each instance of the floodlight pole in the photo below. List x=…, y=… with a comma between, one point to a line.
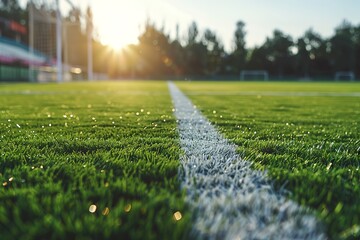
x=58, y=43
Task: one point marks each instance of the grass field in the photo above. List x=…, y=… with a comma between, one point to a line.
x=100, y=160
x=307, y=135
x=89, y=161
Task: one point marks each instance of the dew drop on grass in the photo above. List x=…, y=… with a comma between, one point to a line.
x=177, y=216
x=328, y=166
x=92, y=208
x=127, y=208
x=106, y=211
x=18, y=125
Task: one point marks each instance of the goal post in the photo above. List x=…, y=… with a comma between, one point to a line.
x=254, y=75
x=59, y=35
x=61, y=39
x=345, y=75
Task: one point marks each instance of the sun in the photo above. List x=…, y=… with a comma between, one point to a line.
x=118, y=39
x=116, y=43
x=117, y=29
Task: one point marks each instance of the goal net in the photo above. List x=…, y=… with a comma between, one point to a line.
x=254, y=75
x=60, y=39
x=347, y=75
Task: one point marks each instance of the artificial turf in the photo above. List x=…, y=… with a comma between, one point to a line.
x=89, y=161
x=66, y=148
x=305, y=135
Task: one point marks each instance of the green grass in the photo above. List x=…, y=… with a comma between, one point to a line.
x=65, y=147
x=309, y=144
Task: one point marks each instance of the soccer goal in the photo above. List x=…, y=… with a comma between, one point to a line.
x=62, y=40
x=254, y=75
x=345, y=75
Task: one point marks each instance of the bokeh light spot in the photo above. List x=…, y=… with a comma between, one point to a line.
x=92, y=208
x=177, y=216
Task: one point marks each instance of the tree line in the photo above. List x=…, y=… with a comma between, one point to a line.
x=201, y=53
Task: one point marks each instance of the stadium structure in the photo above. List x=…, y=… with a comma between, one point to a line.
x=35, y=52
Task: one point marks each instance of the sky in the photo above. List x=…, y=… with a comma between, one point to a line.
x=119, y=22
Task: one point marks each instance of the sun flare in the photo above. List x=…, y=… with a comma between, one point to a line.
x=118, y=38
x=116, y=43
x=118, y=29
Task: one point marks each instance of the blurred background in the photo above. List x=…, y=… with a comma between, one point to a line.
x=72, y=40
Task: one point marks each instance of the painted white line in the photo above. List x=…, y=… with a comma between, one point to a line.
x=84, y=92
x=229, y=199
x=274, y=94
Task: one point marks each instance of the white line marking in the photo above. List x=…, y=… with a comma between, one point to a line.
x=230, y=200
x=274, y=94
x=84, y=92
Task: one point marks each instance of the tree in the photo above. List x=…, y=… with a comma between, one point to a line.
x=279, y=53
x=178, y=56
x=357, y=48
x=11, y=11
x=308, y=52
x=154, y=48
x=303, y=58
x=193, y=33
x=258, y=59
x=238, y=56
x=215, y=52
x=196, y=52
x=342, y=47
